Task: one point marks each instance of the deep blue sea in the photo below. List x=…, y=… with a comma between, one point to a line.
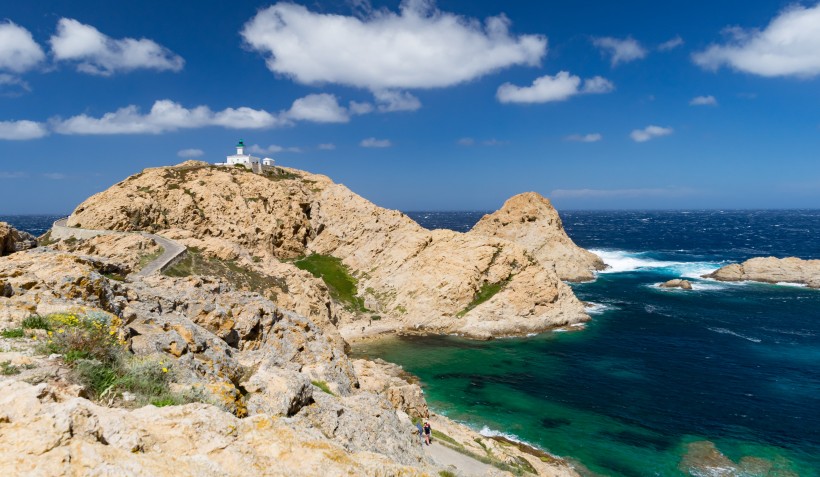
x=657, y=375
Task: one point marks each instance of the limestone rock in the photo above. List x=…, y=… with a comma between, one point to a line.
x=771, y=270
x=277, y=392
x=530, y=220
x=389, y=379
x=126, y=250
x=677, y=283
x=13, y=240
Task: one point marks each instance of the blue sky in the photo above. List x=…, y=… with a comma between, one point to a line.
x=419, y=105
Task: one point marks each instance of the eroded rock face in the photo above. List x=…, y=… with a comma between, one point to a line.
x=530, y=220
x=771, y=270
x=677, y=283
x=417, y=279
x=127, y=250
x=13, y=240
x=43, y=435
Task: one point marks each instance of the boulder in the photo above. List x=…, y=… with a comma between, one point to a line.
x=13, y=240
x=677, y=283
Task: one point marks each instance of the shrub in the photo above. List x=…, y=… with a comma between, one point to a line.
x=8, y=369
x=12, y=333
x=340, y=284
x=35, y=322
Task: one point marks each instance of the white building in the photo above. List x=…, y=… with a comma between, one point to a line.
x=251, y=162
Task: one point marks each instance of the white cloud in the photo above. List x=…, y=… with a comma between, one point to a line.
x=18, y=50
x=165, y=116
x=787, y=47
x=418, y=47
x=552, y=88
x=12, y=175
x=620, y=50
x=101, y=55
x=649, y=132
x=389, y=101
x=272, y=149
x=703, y=101
x=671, y=44
x=14, y=84
x=360, y=108
x=190, y=153
x=22, y=130
x=327, y=146
x=320, y=108
x=592, y=137
x=621, y=193
x=373, y=142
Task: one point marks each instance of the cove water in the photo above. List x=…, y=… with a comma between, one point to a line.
x=657, y=373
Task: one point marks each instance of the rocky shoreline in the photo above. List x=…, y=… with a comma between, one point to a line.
x=244, y=340
x=771, y=270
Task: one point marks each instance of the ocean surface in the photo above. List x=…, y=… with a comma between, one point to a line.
x=657, y=374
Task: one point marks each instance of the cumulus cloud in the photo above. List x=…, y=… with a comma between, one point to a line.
x=592, y=137
x=11, y=85
x=22, y=130
x=327, y=146
x=320, y=108
x=703, y=101
x=372, y=142
x=190, y=153
x=620, y=50
x=166, y=116
x=671, y=44
x=418, y=47
x=649, y=132
x=358, y=108
x=99, y=54
x=18, y=50
x=621, y=193
x=389, y=101
x=552, y=88
x=788, y=46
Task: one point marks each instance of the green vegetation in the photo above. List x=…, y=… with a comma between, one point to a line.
x=13, y=333
x=114, y=276
x=375, y=317
x=340, y=283
x=487, y=291
x=36, y=322
x=45, y=240
x=323, y=386
x=446, y=473
x=279, y=174
x=196, y=262
x=520, y=467
x=438, y=435
x=149, y=257
x=8, y=369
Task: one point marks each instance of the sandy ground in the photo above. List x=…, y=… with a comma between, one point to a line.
x=459, y=463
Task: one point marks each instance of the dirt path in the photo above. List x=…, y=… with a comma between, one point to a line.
x=465, y=466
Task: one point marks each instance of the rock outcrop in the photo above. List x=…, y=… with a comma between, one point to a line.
x=13, y=240
x=771, y=270
x=677, y=283
x=413, y=278
x=531, y=221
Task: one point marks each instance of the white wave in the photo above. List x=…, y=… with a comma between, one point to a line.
x=724, y=331
x=578, y=325
x=623, y=261
x=791, y=284
x=597, y=308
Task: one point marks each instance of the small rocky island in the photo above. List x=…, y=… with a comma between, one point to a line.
x=677, y=283
x=230, y=356
x=771, y=270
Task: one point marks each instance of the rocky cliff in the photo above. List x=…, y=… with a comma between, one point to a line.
x=412, y=278
x=13, y=240
x=771, y=270
x=530, y=220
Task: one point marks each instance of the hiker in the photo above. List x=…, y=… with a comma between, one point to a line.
x=427, y=432
x=421, y=432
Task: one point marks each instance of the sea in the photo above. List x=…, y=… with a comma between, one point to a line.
x=723, y=380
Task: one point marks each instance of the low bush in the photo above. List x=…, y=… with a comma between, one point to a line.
x=340, y=284
x=13, y=333
x=8, y=369
x=35, y=322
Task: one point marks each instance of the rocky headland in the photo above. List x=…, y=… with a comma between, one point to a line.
x=771, y=270
x=233, y=360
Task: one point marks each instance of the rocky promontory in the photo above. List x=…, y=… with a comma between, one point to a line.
x=13, y=240
x=771, y=270
x=530, y=220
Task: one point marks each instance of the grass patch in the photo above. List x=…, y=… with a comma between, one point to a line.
x=36, y=322
x=45, y=240
x=340, y=283
x=196, y=262
x=13, y=333
x=446, y=473
x=8, y=369
x=487, y=291
x=149, y=257
x=444, y=437
x=114, y=276
x=279, y=174
x=520, y=467
x=323, y=386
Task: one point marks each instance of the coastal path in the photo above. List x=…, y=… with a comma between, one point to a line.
x=465, y=465
x=172, y=251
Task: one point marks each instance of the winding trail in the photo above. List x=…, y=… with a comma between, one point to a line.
x=466, y=466
x=172, y=251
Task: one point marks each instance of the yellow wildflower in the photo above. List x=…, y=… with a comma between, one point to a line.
x=164, y=370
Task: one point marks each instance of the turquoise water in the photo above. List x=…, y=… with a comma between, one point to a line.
x=735, y=365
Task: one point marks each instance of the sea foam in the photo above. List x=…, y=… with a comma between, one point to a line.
x=620, y=261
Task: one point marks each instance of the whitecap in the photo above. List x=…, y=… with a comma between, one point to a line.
x=724, y=331
x=623, y=261
x=792, y=284
x=597, y=308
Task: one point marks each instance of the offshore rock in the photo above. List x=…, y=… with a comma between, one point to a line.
x=677, y=283
x=13, y=240
x=771, y=270
x=530, y=220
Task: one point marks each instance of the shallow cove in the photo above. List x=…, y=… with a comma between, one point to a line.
x=734, y=364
